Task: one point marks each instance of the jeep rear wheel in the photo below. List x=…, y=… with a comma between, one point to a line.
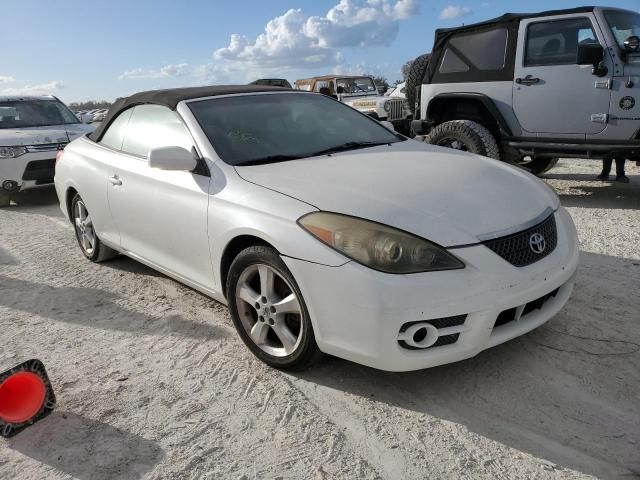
x=465, y=135
x=537, y=165
x=414, y=79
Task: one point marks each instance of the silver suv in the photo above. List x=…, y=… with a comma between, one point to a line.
x=529, y=88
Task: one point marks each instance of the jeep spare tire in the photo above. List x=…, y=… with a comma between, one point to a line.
x=465, y=135
x=414, y=79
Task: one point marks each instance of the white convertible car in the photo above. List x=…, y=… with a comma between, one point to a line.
x=320, y=228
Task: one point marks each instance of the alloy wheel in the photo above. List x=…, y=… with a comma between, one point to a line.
x=269, y=310
x=84, y=228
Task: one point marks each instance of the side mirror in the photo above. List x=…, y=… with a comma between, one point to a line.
x=172, y=158
x=388, y=125
x=590, y=54
x=632, y=44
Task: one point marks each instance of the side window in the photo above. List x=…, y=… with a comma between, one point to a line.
x=556, y=42
x=114, y=135
x=154, y=126
x=481, y=51
x=320, y=84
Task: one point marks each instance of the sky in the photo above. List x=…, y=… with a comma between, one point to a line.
x=103, y=49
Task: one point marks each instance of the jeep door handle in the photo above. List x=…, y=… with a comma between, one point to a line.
x=528, y=80
x=115, y=180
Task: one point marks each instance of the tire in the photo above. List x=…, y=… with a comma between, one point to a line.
x=254, y=310
x=414, y=79
x=465, y=135
x=86, y=236
x=539, y=165
x=5, y=198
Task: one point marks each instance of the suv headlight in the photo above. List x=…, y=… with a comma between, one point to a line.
x=378, y=246
x=387, y=106
x=12, y=152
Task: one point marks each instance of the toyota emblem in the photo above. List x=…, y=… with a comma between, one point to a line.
x=537, y=243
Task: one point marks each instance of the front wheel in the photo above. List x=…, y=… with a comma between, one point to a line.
x=465, y=135
x=86, y=235
x=5, y=198
x=268, y=310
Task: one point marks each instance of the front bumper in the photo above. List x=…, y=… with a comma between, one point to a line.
x=31, y=170
x=358, y=313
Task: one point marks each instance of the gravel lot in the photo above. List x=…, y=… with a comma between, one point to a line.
x=153, y=382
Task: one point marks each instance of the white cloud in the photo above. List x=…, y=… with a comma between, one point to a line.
x=41, y=89
x=452, y=12
x=294, y=40
x=166, y=71
x=6, y=79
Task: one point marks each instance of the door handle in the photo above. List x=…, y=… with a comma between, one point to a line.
x=115, y=180
x=528, y=80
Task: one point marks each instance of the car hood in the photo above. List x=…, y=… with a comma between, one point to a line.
x=447, y=196
x=43, y=135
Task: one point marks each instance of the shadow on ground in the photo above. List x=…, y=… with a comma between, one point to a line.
x=567, y=392
x=581, y=190
x=87, y=449
x=95, y=308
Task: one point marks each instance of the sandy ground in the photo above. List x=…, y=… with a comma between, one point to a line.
x=152, y=381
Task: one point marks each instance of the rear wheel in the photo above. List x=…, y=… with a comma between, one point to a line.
x=465, y=135
x=86, y=235
x=537, y=165
x=268, y=310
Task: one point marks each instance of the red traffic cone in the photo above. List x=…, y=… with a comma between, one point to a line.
x=26, y=396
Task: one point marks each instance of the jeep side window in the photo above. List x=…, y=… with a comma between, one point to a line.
x=556, y=42
x=479, y=51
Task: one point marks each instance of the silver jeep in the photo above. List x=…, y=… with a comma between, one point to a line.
x=529, y=88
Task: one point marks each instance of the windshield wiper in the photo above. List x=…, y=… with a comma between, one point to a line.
x=348, y=146
x=269, y=159
x=285, y=158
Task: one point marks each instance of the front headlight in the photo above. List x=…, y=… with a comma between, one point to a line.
x=378, y=246
x=387, y=106
x=12, y=152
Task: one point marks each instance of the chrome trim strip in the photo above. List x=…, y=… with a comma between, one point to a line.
x=46, y=147
x=518, y=228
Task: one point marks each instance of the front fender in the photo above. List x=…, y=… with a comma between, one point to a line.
x=267, y=215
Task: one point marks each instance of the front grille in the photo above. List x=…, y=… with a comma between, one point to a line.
x=517, y=249
x=508, y=316
x=47, y=147
x=42, y=170
x=396, y=110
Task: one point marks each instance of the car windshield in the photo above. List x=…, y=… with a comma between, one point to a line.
x=252, y=129
x=34, y=113
x=623, y=24
x=357, y=86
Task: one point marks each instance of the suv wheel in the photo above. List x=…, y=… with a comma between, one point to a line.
x=5, y=198
x=268, y=310
x=537, y=165
x=465, y=135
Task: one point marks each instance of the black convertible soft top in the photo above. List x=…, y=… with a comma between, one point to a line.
x=172, y=96
x=509, y=21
